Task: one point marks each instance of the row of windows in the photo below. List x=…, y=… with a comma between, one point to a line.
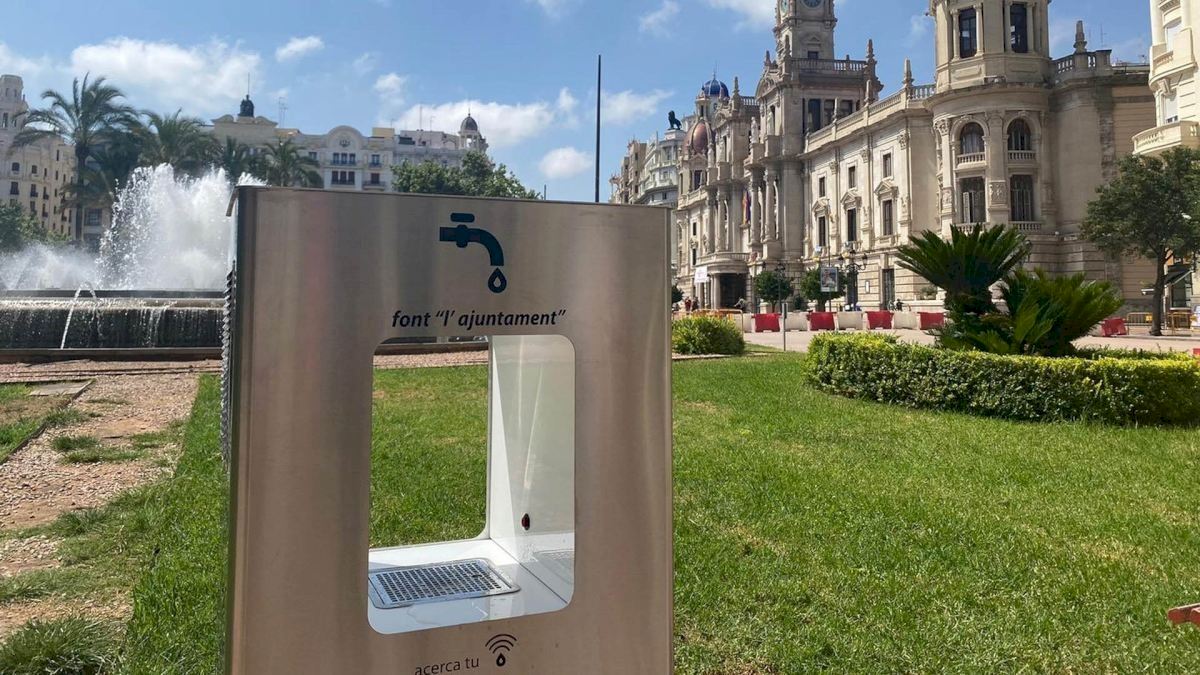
x=971, y=138
x=974, y=204
x=344, y=178
x=1018, y=30
x=852, y=176
x=887, y=212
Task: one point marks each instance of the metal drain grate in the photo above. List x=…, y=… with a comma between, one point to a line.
x=405, y=586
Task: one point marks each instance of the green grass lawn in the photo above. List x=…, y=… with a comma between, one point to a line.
x=811, y=532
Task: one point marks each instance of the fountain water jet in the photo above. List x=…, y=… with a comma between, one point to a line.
x=170, y=238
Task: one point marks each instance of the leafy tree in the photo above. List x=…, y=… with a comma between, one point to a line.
x=285, y=166
x=109, y=170
x=966, y=266
x=477, y=177
x=810, y=288
x=179, y=141
x=18, y=229
x=676, y=295
x=1151, y=209
x=92, y=116
x=773, y=287
x=236, y=160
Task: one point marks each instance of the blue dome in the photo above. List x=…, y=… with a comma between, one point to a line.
x=715, y=87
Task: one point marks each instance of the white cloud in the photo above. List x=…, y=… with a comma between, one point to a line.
x=503, y=124
x=202, y=79
x=391, y=88
x=628, y=106
x=554, y=8
x=391, y=84
x=565, y=163
x=567, y=103
x=12, y=63
x=298, y=47
x=365, y=63
x=656, y=22
x=918, y=29
x=755, y=13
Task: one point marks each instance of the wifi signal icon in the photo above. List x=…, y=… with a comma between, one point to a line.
x=500, y=645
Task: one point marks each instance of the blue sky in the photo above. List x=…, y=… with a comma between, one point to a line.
x=526, y=68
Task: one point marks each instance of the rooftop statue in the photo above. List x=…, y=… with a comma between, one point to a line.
x=674, y=121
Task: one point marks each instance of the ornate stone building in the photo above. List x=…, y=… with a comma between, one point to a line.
x=820, y=168
x=649, y=172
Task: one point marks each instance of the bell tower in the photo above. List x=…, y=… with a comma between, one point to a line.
x=804, y=29
x=981, y=42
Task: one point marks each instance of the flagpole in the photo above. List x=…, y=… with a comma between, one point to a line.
x=599, y=74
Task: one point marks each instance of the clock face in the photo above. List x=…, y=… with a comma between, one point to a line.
x=813, y=3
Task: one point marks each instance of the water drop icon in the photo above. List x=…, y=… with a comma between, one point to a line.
x=500, y=661
x=497, y=282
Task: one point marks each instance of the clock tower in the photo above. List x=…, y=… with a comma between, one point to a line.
x=804, y=29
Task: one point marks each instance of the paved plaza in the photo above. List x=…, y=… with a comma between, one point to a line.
x=798, y=341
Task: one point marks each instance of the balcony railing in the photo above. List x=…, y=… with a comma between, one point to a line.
x=1022, y=156
x=924, y=91
x=831, y=66
x=971, y=158
x=1022, y=226
x=1177, y=134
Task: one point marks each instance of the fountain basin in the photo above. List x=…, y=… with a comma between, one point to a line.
x=110, y=323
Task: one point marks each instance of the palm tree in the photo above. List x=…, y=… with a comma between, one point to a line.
x=109, y=170
x=235, y=158
x=284, y=166
x=968, y=265
x=179, y=141
x=89, y=118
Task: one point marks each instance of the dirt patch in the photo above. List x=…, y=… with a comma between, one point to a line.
x=18, y=556
x=29, y=407
x=36, y=486
x=16, y=615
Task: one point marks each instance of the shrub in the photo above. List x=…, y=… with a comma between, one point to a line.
x=706, y=335
x=62, y=647
x=1098, y=387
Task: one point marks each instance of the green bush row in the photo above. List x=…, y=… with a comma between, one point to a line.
x=706, y=335
x=1126, y=390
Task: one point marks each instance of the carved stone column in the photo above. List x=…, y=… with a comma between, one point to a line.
x=723, y=220
x=769, y=207
x=756, y=212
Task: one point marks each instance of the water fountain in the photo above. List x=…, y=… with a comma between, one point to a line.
x=156, y=282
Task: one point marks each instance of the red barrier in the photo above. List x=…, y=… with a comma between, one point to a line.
x=931, y=320
x=1113, y=327
x=820, y=321
x=1196, y=353
x=765, y=323
x=879, y=320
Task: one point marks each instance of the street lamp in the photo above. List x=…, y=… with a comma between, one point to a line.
x=853, y=262
x=782, y=271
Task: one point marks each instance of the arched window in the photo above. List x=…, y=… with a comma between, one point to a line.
x=970, y=140
x=1020, y=138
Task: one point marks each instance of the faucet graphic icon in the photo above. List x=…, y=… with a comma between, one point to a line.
x=462, y=236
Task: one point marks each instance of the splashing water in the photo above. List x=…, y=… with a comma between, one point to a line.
x=169, y=232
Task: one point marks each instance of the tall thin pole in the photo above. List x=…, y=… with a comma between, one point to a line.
x=599, y=80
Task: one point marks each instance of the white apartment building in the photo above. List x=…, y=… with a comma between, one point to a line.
x=1173, y=69
x=349, y=159
x=35, y=177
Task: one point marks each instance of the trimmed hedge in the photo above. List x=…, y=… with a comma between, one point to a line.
x=1132, y=389
x=699, y=335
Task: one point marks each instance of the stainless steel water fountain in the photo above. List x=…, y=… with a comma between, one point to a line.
x=573, y=572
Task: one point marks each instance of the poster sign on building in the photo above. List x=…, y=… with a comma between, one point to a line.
x=829, y=279
x=701, y=275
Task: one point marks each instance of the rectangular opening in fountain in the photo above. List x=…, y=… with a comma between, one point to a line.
x=494, y=449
